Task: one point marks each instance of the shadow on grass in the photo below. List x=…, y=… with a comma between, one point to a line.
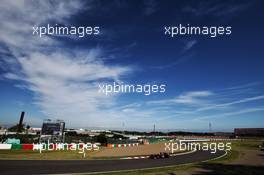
x=223, y=169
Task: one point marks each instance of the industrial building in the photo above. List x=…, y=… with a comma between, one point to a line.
x=249, y=132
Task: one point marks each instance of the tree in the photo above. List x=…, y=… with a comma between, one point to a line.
x=16, y=128
x=101, y=139
x=117, y=136
x=28, y=127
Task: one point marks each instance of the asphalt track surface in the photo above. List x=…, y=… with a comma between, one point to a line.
x=88, y=166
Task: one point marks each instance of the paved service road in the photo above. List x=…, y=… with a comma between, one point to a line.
x=82, y=166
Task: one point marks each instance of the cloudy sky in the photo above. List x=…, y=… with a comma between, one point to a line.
x=218, y=80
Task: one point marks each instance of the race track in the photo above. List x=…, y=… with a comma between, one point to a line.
x=86, y=166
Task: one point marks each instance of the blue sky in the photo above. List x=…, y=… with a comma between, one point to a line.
x=218, y=80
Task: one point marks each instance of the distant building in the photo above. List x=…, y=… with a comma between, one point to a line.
x=249, y=132
x=34, y=130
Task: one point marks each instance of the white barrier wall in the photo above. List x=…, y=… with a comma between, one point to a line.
x=5, y=146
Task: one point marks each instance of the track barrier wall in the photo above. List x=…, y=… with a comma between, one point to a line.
x=31, y=146
x=122, y=145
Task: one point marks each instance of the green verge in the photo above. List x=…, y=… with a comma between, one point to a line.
x=156, y=171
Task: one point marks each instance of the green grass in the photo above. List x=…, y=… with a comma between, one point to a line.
x=247, y=144
x=156, y=171
x=236, y=147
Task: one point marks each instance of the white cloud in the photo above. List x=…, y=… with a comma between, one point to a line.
x=216, y=9
x=62, y=67
x=245, y=100
x=189, y=45
x=189, y=98
x=178, y=61
x=197, y=105
x=64, y=82
x=150, y=7
x=233, y=113
x=18, y=17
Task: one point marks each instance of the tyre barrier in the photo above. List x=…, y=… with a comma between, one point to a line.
x=122, y=145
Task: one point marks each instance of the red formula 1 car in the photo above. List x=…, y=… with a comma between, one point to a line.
x=161, y=155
